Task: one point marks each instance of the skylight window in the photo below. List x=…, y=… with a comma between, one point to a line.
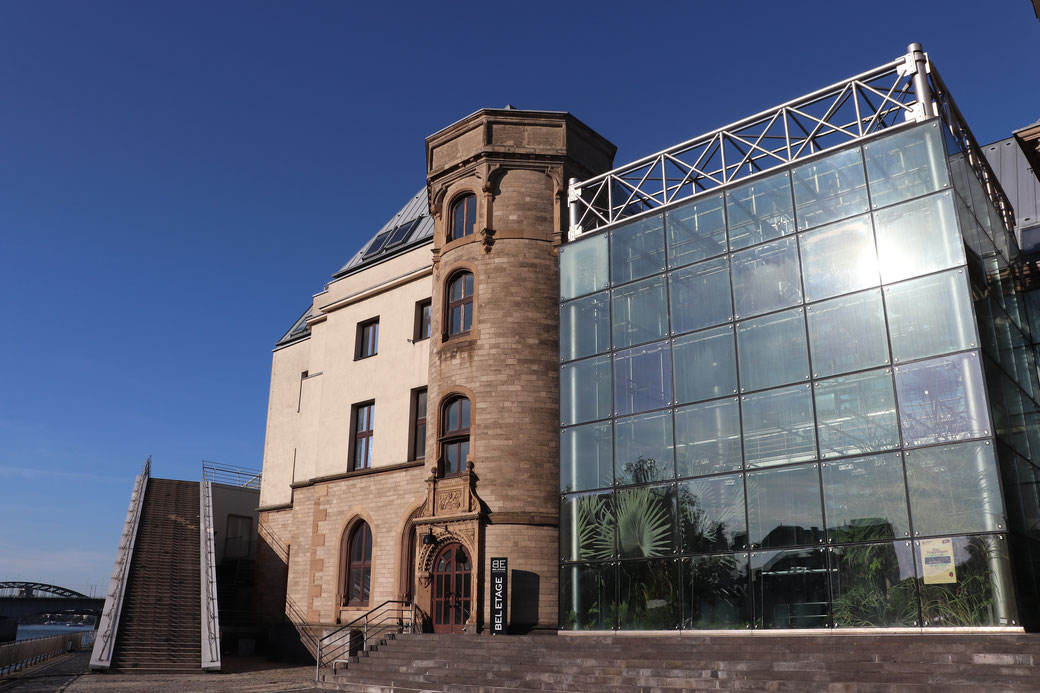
x=401, y=233
x=376, y=246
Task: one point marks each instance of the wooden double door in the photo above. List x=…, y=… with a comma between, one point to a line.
x=452, y=589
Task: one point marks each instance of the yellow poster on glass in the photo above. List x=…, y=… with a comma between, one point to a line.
x=937, y=559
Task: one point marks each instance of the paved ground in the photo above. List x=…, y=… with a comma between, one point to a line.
x=69, y=674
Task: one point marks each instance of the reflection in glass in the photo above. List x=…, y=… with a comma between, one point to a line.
x=865, y=498
x=637, y=249
x=643, y=448
x=648, y=593
x=839, y=258
x=715, y=592
x=790, y=588
x=642, y=379
x=906, y=164
x=766, y=278
x=585, y=390
x=918, y=237
x=705, y=365
x=954, y=489
x=972, y=589
x=930, y=315
x=640, y=312
x=847, y=333
x=586, y=457
x=941, y=400
x=856, y=414
x=645, y=519
x=699, y=295
x=586, y=526
x=784, y=506
x=583, y=266
x=707, y=438
x=772, y=350
x=585, y=327
x=778, y=427
x=587, y=597
x=874, y=585
x=696, y=230
x=830, y=188
x=711, y=514
x=760, y=211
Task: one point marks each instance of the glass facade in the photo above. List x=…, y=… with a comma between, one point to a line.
x=804, y=401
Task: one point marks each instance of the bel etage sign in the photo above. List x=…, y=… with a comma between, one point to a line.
x=499, y=595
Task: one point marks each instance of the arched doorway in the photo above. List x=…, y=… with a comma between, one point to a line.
x=452, y=600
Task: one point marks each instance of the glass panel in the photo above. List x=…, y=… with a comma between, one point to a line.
x=930, y=316
x=766, y=278
x=847, y=333
x=830, y=188
x=586, y=526
x=715, y=592
x=965, y=581
x=954, y=489
x=779, y=427
x=696, y=230
x=906, y=164
x=772, y=350
x=645, y=521
x=586, y=457
x=643, y=448
x=941, y=400
x=865, y=498
x=587, y=597
x=839, y=258
x=699, y=295
x=784, y=506
x=856, y=414
x=711, y=514
x=640, y=312
x=874, y=585
x=584, y=266
x=707, y=438
x=649, y=595
x=790, y=588
x=760, y=211
x=642, y=379
x=464, y=412
x=585, y=390
x=918, y=237
x=705, y=365
x=585, y=327
x=637, y=249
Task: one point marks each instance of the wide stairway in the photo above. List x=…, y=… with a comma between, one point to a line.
x=160, y=625
x=670, y=664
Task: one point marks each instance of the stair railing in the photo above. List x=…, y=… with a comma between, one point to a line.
x=392, y=616
x=104, y=645
x=208, y=579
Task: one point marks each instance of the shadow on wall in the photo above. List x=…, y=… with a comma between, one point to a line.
x=523, y=601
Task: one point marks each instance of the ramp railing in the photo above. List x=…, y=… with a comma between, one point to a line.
x=208, y=579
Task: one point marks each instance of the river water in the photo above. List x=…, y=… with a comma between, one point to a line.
x=28, y=631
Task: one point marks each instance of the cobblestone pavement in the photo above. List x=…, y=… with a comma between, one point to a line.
x=69, y=674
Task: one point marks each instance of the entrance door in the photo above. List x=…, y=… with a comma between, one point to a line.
x=451, y=589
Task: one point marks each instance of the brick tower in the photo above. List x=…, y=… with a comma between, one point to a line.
x=498, y=195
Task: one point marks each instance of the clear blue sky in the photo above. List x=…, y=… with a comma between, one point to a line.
x=178, y=178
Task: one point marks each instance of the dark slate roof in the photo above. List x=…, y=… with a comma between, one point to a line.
x=412, y=226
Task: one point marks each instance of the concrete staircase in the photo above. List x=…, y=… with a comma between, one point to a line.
x=928, y=663
x=160, y=626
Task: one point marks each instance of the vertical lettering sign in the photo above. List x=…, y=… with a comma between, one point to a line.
x=499, y=595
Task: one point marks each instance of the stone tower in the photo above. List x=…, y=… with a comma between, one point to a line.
x=497, y=184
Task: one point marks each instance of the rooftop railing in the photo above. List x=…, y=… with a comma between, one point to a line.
x=230, y=475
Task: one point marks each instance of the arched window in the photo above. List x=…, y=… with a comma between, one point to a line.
x=359, y=566
x=460, y=304
x=454, y=435
x=463, y=219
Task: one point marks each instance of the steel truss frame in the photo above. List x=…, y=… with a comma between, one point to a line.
x=894, y=94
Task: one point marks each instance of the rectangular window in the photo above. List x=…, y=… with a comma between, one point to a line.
x=422, y=320
x=417, y=448
x=363, y=424
x=367, y=341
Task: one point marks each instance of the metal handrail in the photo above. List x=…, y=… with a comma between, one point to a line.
x=210, y=634
x=104, y=645
x=230, y=475
x=373, y=623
